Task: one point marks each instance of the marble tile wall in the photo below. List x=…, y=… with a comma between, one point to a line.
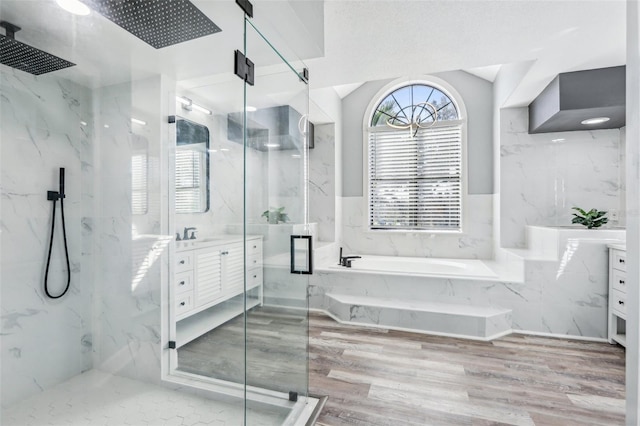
x=322, y=182
x=474, y=243
x=44, y=341
x=542, y=176
x=127, y=248
x=226, y=181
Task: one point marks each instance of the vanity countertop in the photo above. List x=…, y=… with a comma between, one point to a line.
x=618, y=246
x=211, y=241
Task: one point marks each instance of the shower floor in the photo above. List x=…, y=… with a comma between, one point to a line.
x=97, y=398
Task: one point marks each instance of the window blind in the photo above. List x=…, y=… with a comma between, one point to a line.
x=415, y=180
x=189, y=170
x=139, y=187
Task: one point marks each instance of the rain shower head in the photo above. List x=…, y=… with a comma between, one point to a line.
x=24, y=57
x=159, y=23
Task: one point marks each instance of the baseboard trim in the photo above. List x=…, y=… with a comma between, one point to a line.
x=457, y=336
x=561, y=336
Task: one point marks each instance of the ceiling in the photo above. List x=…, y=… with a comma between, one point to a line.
x=372, y=40
x=363, y=40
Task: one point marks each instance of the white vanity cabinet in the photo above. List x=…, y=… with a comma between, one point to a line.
x=208, y=283
x=617, y=294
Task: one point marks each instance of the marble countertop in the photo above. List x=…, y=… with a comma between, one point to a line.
x=618, y=246
x=211, y=241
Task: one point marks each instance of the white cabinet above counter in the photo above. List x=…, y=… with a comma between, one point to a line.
x=209, y=277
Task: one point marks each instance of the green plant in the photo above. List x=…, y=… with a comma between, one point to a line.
x=591, y=219
x=275, y=215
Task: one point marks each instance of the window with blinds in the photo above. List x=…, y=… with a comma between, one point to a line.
x=190, y=175
x=139, y=183
x=415, y=180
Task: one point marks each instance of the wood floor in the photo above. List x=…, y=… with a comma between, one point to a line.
x=380, y=377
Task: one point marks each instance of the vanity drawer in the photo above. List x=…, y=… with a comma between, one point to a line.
x=254, y=261
x=184, y=303
x=254, y=247
x=619, y=280
x=183, y=282
x=184, y=261
x=619, y=302
x=254, y=278
x=619, y=260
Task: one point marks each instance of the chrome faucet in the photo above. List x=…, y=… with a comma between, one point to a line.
x=186, y=234
x=346, y=260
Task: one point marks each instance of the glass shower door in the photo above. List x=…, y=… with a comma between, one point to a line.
x=278, y=241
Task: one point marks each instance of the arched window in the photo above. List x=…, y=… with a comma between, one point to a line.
x=415, y=160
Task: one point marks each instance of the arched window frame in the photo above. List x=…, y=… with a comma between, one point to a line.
x=456, y=98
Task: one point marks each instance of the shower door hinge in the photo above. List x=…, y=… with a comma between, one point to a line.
x=246, y=6
x=172, y=119
x=293, y=396
x=172, y=344
x=305, y=75
x=243, y=67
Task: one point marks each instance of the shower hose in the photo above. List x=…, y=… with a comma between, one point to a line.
x=54, y=196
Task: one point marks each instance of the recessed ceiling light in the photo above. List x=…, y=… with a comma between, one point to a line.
x=74, y=6
x=596, y=120
x=251, y=108
x=140, y=122
x=272, y=145
x=557, y=140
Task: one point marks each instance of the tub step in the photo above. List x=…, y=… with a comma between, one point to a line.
x=473, y=322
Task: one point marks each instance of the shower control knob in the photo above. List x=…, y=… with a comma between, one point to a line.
x=183, y=303
x=181, y=282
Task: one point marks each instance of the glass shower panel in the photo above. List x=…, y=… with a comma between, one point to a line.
x=276, y=213
x=207, y=211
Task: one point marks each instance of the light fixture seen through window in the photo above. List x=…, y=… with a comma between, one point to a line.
x=189, y=105
x=596, y=120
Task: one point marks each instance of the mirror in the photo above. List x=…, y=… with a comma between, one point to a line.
x=192, y=167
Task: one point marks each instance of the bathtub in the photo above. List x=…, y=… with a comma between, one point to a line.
x=418, y=266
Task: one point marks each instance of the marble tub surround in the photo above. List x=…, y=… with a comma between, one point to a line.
x=472, y=322
x=322, y=181
x=559, y=287
x=475, y=242
x=542, y=176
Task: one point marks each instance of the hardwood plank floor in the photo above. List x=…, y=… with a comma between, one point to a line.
x=383, y=377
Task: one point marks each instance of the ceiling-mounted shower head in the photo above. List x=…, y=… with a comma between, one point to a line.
x=159, y=23
x=24, y=57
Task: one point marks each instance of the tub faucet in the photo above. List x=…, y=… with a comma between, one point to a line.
x=346, y=260
x=186, y=234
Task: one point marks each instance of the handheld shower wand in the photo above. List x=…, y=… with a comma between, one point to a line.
x=55, y=196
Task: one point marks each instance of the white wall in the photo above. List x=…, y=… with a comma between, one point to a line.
x=541, y=180
x=44, y=341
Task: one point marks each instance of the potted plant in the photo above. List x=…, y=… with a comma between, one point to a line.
x=591, y=219
x=275, y=215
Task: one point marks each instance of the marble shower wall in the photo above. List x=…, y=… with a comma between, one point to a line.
x=127, y=248
x=542, y=176
x=44, y=341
